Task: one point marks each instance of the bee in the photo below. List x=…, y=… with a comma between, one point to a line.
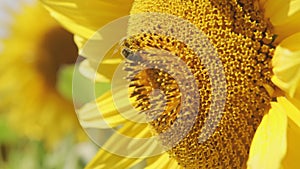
x=132, y=56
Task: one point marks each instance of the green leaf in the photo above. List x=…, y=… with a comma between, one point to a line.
x=64, y=84
x=7, y=135
x=64, y=81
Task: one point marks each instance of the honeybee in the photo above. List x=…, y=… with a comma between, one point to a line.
x=130, y=55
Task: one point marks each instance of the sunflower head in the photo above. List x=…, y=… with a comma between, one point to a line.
x=56, y=48
x=243, y=41
x=31, y=59
x=246, y=36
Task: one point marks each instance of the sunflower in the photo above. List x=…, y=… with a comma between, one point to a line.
x=258, y=45
x=33, y=52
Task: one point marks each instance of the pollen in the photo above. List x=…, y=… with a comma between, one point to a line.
x=244, y=42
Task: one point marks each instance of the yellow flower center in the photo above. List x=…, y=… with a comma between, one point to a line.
x=243, y=39
x=55, y=48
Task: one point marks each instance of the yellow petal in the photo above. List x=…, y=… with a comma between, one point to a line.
x=89, y=72
x=90, y=116
x=83, y=18
x=295, y=102
x=104, y=68
x=291, y=160
x=105, y=159
x=109, y=111
x=286, y=66
x=268, y=147
x=79, y=41
x=284, y=16
x=292, y=112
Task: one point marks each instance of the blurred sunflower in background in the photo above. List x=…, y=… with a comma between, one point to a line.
x=39, y=128
x=258, y=44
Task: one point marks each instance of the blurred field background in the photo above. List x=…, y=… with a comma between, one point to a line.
x=38, y=126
